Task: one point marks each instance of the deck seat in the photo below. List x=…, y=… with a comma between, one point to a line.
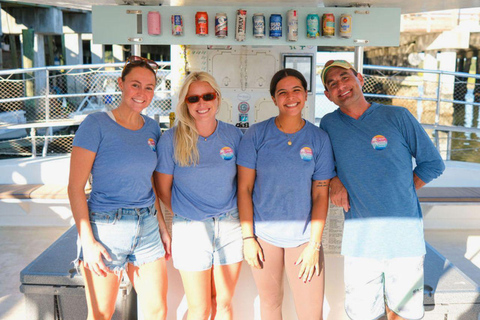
x=35, y=191
x=449, y=195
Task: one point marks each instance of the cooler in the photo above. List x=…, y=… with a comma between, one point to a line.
x=55, y=291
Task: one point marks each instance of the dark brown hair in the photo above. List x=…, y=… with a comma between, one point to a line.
x=137, y=64
x=283, y=74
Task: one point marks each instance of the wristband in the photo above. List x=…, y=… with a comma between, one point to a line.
x=316, y=245
x=250, y=237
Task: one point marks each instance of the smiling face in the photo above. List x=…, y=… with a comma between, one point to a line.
x=343, y=87
x=137, y=88
x=202, y=110
x=290, y=96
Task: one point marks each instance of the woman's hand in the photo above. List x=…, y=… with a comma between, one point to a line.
x=93, y=255
x=310, y=263
x=253, y=253
x=167, y=243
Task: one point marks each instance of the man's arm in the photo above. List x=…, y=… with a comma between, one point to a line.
x=418, y=182
x=339, y=194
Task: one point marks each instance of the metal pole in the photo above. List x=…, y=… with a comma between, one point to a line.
x=358, y=59
x=449, y=146
x=437, y=111
x=47, y=98
x=136, y=50
x=34, y=142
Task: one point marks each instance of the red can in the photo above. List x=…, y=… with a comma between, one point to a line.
x=201, y=23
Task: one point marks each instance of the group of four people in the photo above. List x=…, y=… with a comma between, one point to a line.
x=262, y=197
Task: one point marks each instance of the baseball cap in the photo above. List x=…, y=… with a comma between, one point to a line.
x=335, y=63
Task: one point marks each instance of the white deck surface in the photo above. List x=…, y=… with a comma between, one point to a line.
x=20, y=245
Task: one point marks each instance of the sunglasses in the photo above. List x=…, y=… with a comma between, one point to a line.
x=205, y=97
x=141, y=60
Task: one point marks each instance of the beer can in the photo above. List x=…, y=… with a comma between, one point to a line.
x=221, y=27
x=241, y=25
x=328, y=25
x=275, y=26
x=292, y=25
x=177, y=25
x=243, y=118
x=153, y=23
x=313, y=26
x=258, y=25
x=201, y=23
x=345, y=25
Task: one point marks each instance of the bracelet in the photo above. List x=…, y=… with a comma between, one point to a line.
x=250, y=237
x=316, y=245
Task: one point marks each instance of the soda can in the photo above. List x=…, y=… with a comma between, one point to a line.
x=328, y=25
x=177, y=25
x=313, y=26
x=221, y=27
x=258, y=25
x=241, y=25
x=201, y=23
x=292, y=25
x=153, y=23
x=345, y=26
x=275, y=26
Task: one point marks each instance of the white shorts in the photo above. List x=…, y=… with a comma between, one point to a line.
x=199, y=245
x=372, y=283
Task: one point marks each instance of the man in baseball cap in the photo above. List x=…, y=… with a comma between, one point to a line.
x=383, y=241
x=336, y=63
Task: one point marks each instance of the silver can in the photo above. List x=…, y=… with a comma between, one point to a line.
x=221, y=26
x=292, y=25
x=345, y=26
x=258, y=25
x=241, y=25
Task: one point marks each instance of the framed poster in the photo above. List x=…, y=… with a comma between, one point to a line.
x=302, y=63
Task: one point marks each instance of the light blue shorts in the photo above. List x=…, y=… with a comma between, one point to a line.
x=199, y=245
x=129, y=235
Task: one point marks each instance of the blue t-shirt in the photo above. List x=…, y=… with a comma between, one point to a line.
x=373, y=157
x=209, y=188
x=124, y=162
x=282, y=194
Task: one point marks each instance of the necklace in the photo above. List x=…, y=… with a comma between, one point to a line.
x=289, y=137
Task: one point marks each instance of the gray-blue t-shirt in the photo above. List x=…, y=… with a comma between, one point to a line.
x=282, y=194
x=124, y=162
x=208, y=189
x=373, y=156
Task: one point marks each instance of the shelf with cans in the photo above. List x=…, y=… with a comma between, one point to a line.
x=246, y=26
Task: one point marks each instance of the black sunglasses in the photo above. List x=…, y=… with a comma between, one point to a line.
x=205, y=97
x=137, y=59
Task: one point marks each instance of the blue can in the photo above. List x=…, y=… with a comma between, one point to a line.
x=275, y=26
x=243, y=118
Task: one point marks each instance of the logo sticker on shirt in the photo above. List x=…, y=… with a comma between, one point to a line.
x=226, y=153
x=306, y=154
x=379, y=142
x=151, y=143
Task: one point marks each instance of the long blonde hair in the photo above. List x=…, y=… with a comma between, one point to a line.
x=186, y=134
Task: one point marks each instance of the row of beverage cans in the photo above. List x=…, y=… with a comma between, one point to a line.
x=315, y=29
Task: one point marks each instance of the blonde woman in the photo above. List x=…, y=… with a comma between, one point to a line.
x=196, y=179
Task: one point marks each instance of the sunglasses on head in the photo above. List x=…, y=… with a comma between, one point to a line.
x=205, y=97
x=140, y=60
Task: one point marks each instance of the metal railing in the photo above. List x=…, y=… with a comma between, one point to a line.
x=446, y=103
x=41, y=107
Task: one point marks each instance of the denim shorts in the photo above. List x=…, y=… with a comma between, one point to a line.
x=199, y=245
x=129, y=235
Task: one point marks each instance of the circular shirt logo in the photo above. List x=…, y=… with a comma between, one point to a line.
x=306, y=154
x=379, y=142
x=151, y=143
x=226, y=153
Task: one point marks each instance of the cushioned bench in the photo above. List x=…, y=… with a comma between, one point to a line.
x=34, y=191
x=449, y=195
